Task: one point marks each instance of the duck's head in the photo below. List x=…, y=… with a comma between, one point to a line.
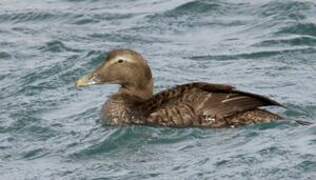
x=126, y=68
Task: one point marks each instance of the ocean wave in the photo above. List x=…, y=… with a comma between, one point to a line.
x=190, y=14
x=308, y=29
x=255, y=55
x=197, y=7
x=291, y=10
x=295, y=41
x=5, y=55
x=56, y=46
x=30, y=16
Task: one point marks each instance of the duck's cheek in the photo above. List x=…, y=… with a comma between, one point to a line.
x=110, y=76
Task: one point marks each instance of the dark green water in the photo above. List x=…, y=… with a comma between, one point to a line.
x=50, y=130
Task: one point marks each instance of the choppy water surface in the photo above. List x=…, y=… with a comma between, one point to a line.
x=50, y=130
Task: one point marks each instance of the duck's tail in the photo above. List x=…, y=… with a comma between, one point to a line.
x=299, y=122
x=303, y=123
x=294, y=121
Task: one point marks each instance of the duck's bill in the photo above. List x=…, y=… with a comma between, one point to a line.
x=86, y=80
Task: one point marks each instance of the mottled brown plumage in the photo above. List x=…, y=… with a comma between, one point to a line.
x=195, y=104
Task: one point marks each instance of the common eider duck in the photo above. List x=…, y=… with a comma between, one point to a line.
x=196, y=104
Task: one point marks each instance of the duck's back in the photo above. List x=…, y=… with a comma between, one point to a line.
x=206, y=105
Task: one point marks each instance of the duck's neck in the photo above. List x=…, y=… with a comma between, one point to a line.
x=144, y=92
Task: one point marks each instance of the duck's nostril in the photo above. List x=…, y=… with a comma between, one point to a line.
x=85, y=81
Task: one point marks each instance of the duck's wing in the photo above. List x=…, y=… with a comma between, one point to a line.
x=184, y=105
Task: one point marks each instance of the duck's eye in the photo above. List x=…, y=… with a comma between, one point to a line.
x=120, y=61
